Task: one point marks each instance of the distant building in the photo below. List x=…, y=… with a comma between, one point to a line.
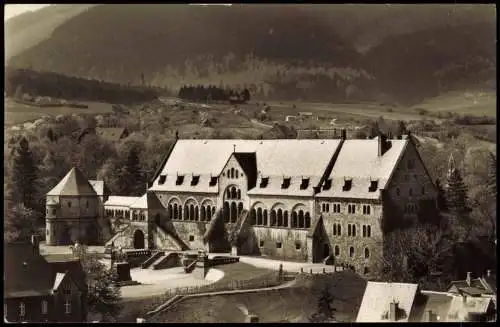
x=308, y=115
x=485, y=286
x=112, y=134
x=401, y=302
x=38, y=291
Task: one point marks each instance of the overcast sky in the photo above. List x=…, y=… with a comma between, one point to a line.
x=14, y=10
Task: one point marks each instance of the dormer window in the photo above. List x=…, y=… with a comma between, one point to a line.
x=347, y=185
x=180, y=180
x=305, y=183
x=213, y=181
x=162, y=179
x=264, y=181
x=327, y=185
x=286, y=183
x=195, y=180
x=373, y=186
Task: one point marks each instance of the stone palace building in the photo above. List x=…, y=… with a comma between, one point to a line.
x=304, y=200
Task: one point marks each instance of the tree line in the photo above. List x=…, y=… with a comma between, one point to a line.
x=24, y=81
x=213, y=93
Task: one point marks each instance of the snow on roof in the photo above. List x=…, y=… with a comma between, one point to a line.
x=378, y=296
x=121, y=201
x=74, y=183
x=278, y=158
x=359, y=161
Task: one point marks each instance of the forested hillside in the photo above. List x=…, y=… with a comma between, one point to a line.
x=403, y=53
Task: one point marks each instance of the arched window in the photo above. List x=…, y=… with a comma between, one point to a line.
x=368, y=231
x=196, y=214
x=367, y=253
x=170, y=212
x=285, y=219
x=228, y=173
x=334, y=229
x=253, y=216
x=202, y=214
x=233, y=192
x=351, y=252
x=233, y=212
x=353, y=230
x=307, y=220
x=273, y=217
x=236, y=174
x=337, y=250
x=294, y=219
x=301, y=219
x=228, y=193
x=191, y=212
x=225, y=212
x=260, y=220
x=238, y=194
x=240, y=208
x=232, y=172
x=264, y=214
x=175, y=212
x=339, y=230
x=280, y=217
x=364, y=231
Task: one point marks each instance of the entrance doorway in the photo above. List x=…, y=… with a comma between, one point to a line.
x=139, y=239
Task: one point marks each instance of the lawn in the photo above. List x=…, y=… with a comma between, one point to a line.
x=16, y=113
x=294, y=304
x=134, y=308
x=463, y=103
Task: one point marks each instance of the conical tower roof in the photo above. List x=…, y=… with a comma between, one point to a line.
x=73, y=184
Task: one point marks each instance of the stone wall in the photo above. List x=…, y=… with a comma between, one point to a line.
x=358, y=242
x=293, y=243
x=76, y=206
x=411, y=181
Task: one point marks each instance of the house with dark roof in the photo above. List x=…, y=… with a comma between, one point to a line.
x=38, y=291
x=112, y=134
x=484, y=286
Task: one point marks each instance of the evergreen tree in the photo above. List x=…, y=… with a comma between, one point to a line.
x=131, y=180
x=325, y=311
x=24, y=176
x=456, y=193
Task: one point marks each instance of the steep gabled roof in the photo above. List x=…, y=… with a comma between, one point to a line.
x=248, y=162
x=25, y=272
x=73, y=184
x=378, y=296
x=99, y=187
x=359, y=161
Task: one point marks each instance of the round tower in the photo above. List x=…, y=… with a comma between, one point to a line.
x=50, y=223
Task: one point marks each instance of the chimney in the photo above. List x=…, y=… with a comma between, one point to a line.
x=343, y=134
x=35, y=241
x=393, y=310
x=252, y=319
x=469, y=278
x=429, y=317
x=176, y=135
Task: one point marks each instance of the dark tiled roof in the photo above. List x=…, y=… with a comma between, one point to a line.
x=25, y=271
x=491, y=282
x=248, y=163
x=72, y=266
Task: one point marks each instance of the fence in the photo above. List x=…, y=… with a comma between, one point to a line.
x=220, y=260
x=137, y=253
x=269, y=280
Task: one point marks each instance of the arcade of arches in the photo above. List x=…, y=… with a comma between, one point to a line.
x=233, y=205
x=278, y=217
x=191, y=211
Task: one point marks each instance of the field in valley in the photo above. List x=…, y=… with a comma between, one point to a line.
x=17, y=113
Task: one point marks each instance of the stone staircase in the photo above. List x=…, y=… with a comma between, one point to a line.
x=169, y=237
x=211, y=226
x=152, y=259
